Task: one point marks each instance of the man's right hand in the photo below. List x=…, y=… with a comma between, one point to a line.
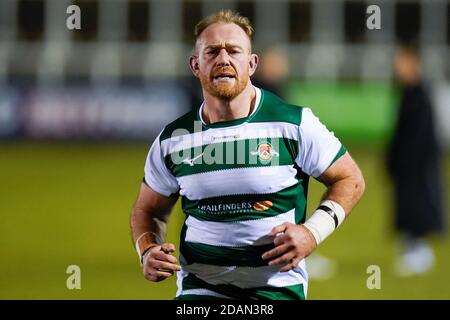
x=158, y=263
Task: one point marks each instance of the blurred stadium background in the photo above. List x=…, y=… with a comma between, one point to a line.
x=80, y=108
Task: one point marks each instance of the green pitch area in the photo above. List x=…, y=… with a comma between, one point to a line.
x=360, y=112
x=69, y=204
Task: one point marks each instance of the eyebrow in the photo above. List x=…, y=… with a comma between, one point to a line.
x=226, y=46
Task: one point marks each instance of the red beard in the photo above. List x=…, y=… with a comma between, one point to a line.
x=224, y=89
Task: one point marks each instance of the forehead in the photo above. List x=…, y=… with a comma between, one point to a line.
x=223, y=33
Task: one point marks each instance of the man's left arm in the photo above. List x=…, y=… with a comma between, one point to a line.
x=345, y=183
x=345, y=187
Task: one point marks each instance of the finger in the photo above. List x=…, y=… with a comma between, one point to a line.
x=291, y=265
x=165, y=266
x=160, y=274
x=160, y=255
x=285, y=258
x=157, y=276
x=149, y=277
x=275, y=252
x=278, y=229
x=145, y=257
x=168, y=247
x=280, y=239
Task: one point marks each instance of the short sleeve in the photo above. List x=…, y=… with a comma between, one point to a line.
x=318, y=147
x=157, y=176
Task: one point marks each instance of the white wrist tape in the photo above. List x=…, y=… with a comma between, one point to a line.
x=328, y=216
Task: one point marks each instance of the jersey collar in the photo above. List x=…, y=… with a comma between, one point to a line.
x=233, y=122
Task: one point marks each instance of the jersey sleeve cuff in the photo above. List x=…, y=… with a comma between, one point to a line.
x=342, y=150
x=340, y=153
x=151, y=184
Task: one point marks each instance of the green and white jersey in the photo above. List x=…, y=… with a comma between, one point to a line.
x=238, y=179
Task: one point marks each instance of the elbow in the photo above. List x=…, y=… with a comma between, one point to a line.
x=360, y=186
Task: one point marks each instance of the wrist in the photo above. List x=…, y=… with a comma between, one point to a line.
x=145, y=253
x=327, y=218
x=144, y=243
x=310, y=235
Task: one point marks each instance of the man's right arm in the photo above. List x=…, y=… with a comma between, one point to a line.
x=148, y=223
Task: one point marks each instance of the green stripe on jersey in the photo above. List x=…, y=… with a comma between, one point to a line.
x=275, y=109
x=272, y=108
x=232, y=155
x=185, y=123
x=294, y=292
x=243, y=207
x=245, y=256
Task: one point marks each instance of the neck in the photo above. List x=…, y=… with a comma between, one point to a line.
x=216, y=110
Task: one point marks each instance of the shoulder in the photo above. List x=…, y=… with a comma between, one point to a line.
x=273, y=108
x=182, y=125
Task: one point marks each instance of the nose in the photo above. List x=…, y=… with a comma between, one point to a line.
x=223, y=59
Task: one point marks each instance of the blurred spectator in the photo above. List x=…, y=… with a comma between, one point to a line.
x=273, y=71
x=193, y=91
x=413, y=162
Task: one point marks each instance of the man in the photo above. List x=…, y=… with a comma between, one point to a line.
x=241, y=162
x=414, y=165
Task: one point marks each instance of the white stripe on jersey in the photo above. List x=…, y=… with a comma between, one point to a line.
x=253, y=180
x=239, y=233
x=318, y=146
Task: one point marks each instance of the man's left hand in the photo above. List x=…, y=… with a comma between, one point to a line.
x=292, y=243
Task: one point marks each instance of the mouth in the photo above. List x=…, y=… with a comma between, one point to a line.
x=224, y=76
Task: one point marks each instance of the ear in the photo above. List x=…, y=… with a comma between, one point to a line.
x=193, y=64
x=253, y=64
